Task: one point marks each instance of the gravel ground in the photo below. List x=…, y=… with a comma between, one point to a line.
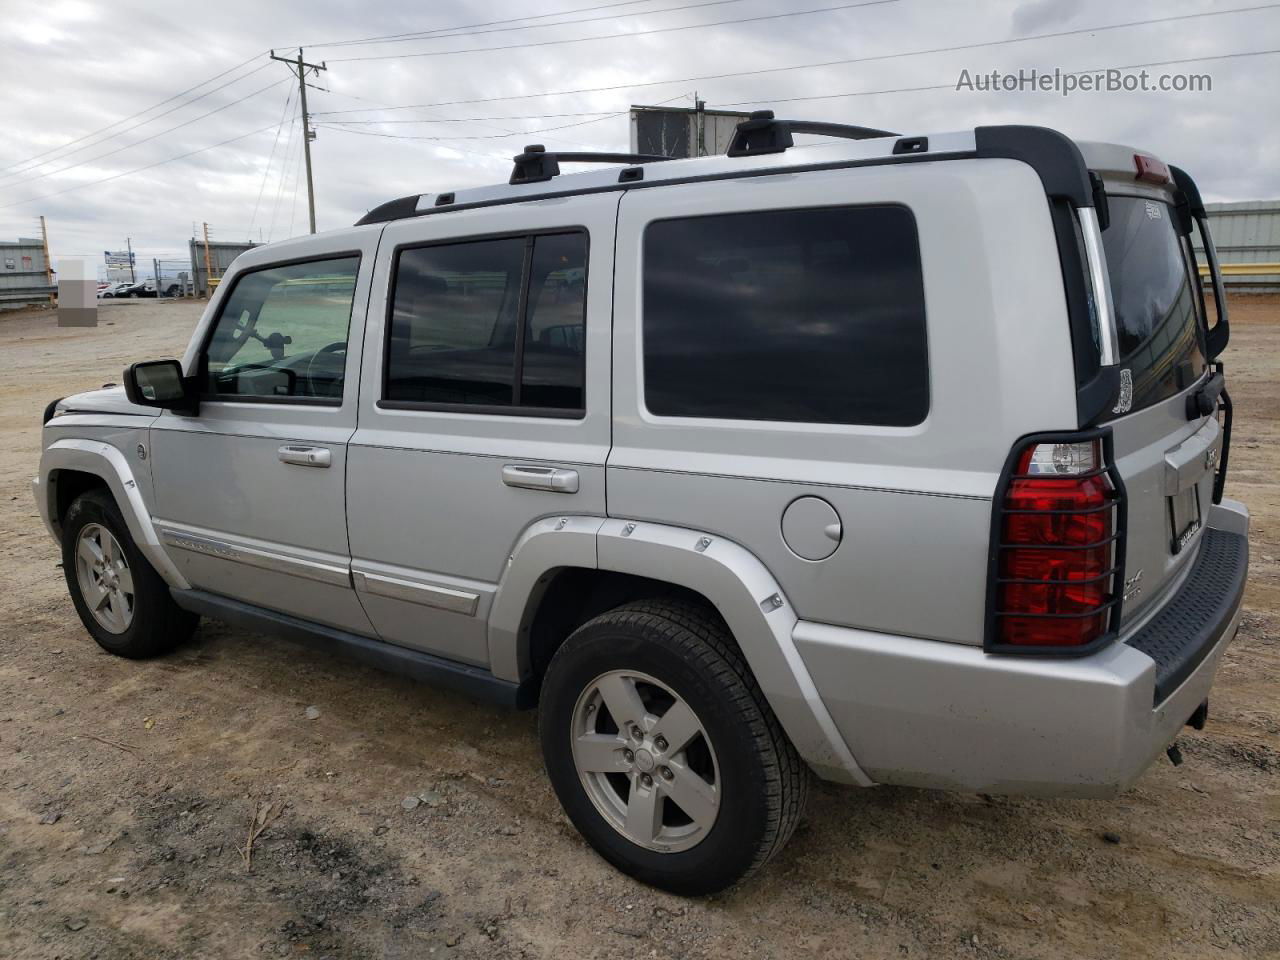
x=127, y=789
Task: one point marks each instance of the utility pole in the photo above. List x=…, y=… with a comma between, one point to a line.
x=300, y=68
x=48, y=264
x=700, y=107
x=128, y=243
x=208, y=267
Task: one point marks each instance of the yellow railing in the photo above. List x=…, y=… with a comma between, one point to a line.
x=1243, y=269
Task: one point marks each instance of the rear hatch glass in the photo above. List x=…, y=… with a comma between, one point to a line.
x=1157, y=307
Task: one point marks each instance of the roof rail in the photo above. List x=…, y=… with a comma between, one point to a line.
x=761, y=133
x=535, y=165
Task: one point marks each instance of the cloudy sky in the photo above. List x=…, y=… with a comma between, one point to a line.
x=141, y=119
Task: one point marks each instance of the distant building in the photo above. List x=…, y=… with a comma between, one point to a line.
x=1247, y=238
x=221, y=254
x=23, y=277
x=682, y=132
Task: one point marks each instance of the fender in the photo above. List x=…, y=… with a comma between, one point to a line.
x=730, y=577
x=105, y=461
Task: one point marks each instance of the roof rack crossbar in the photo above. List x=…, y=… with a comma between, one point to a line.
x=536, y=165
x=762, y=133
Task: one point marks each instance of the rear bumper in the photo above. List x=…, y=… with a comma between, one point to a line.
x=943, y=715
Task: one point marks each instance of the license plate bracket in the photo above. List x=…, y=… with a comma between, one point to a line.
x=1184, y=518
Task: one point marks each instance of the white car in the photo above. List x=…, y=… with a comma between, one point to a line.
x=112, y=290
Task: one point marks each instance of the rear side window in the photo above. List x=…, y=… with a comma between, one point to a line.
x=1156, y=305
x=812, y=315
x=495, y=325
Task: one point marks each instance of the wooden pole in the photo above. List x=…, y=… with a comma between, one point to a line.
x=208, y=265
x=48, y=264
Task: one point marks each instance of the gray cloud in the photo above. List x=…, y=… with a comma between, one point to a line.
x=71, y=66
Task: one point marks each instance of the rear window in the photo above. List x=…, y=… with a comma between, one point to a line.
x=1156, y=307
x=812, y=315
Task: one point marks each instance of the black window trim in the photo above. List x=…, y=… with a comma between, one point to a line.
x=202, y=358
x=483, y=409
x=642, y=383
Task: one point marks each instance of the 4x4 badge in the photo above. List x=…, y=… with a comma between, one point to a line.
x=1211, y=458
x=1126, y=392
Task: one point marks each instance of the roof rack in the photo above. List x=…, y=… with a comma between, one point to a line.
x=535, y=165
x=761, y=133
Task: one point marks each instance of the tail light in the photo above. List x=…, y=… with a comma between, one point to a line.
x=1057, y=547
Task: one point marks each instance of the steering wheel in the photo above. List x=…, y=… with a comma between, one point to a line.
x=338, y=346
x=245, y=328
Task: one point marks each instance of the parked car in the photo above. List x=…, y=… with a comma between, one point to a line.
x=740, y=469
x=111, y=290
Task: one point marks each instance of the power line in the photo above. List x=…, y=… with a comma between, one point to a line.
x=149, y=166
x=140, y=113
x=486, y=136
x=811, y=66
x=266, y=173
x=138, y=143
x=620, y=36
x=445, y=33
x=526, y=116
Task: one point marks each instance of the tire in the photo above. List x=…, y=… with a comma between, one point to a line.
x=138, y=624
x=759, y=781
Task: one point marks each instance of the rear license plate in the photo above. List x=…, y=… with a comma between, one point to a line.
x=1184, y=517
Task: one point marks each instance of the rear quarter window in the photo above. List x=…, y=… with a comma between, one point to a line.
x=812, y=315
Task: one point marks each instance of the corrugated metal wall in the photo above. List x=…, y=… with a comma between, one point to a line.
x=1247, y=232
x=221, y=254
x=23, y=280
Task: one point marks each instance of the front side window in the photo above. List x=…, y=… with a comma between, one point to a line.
x=282, y=333
x=490, y=324
x=810, y=316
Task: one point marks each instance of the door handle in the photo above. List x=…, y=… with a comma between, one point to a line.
x=305, y=456
x=553, y=479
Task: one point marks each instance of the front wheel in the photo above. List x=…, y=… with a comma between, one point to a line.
x=663, y=750
x=123, y=603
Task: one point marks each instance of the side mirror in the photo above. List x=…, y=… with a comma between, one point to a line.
x=160, y=383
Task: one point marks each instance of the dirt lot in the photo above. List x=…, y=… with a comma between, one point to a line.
x=127, y=789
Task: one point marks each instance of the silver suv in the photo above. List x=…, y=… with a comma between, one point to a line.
x=897, y=460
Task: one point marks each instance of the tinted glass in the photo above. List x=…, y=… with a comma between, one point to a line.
x=283, y=332
x=555, y=333
x=457, y=311
x=1155, y=300
x=794, y=315
x=453, y=323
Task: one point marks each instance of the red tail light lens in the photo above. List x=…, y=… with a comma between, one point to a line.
x=1056, y=570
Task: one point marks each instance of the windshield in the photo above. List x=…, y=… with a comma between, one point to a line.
x=1157, y=306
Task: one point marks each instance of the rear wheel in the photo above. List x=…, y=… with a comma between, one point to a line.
x=121, y=600
x=664, y=752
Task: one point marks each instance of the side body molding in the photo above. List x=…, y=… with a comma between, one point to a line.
x=737, y=584
x=105, y=461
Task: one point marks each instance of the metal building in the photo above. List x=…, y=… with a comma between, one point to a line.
x=1247, y=234
x=221, y=254
x=24, y=278
x=682, y=131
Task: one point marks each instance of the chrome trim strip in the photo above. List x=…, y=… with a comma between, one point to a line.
x=1096, y=257
x=443, y=598
x=254, y=557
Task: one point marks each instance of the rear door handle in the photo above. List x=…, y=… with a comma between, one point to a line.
x=553, y=479
x=305, y=456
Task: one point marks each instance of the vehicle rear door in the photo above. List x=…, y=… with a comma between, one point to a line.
x=484, y=407
x=1167, y=449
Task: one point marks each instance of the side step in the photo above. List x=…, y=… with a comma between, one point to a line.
x=475, y=682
